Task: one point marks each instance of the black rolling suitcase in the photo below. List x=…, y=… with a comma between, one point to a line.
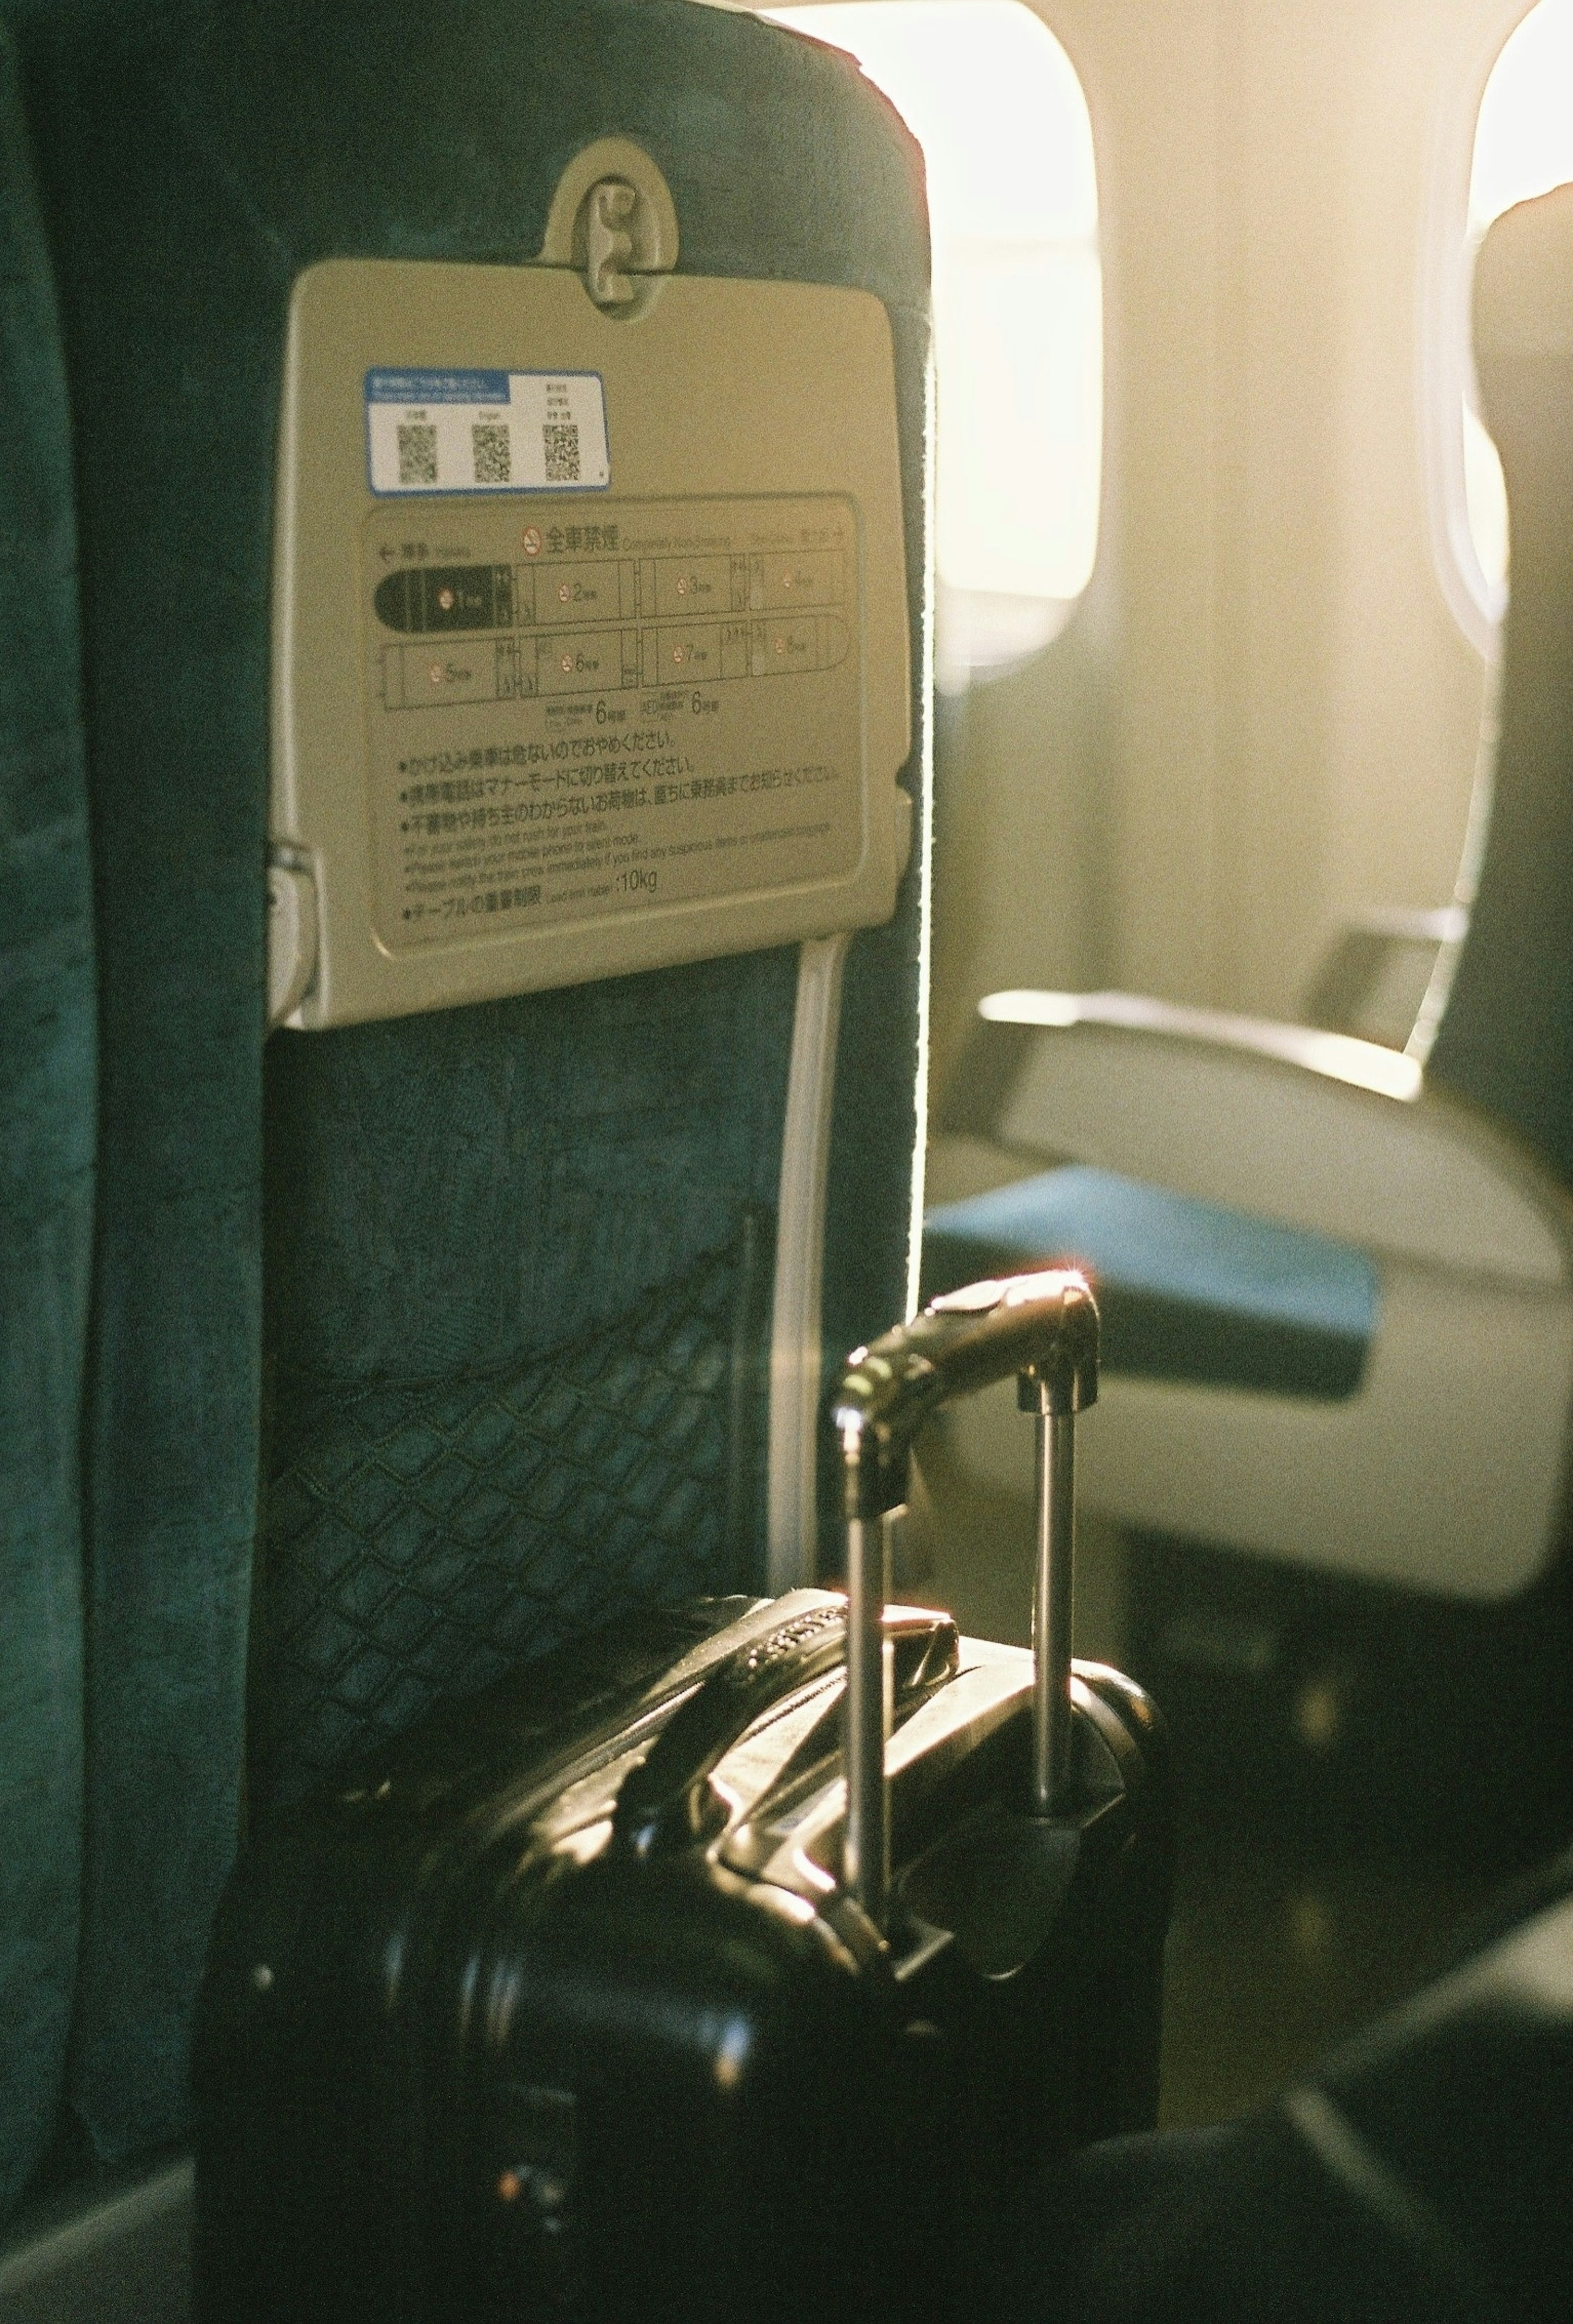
x=635, y=2007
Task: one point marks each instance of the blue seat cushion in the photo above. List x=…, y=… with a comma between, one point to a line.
x=1188, y=1290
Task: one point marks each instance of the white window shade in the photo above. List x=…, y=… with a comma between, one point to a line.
x=1020, y=331
x=1524, y=142
x=996, y=105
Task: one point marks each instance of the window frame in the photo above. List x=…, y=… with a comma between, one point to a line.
x=1445, y=366
x=980, y=633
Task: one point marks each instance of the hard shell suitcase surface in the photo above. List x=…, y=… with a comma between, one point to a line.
x=735, y=1980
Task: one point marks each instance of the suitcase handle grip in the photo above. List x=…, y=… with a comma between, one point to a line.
x=668, y=1803
x=1044, y=1327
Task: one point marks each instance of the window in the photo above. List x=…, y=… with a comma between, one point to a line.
x=1523, y=146
x=994, y=103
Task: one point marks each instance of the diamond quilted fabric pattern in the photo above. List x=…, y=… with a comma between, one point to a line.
x=422, y=1539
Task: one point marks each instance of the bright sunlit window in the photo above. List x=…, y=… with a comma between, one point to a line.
x=1523, y=146
x=994, y=103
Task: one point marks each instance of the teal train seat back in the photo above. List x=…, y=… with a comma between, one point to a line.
x=1505, y=1041
x=47, y=1113
x=412, y=1346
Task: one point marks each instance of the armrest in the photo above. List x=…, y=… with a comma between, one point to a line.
x=1314, y=1129
x=1340, y=1056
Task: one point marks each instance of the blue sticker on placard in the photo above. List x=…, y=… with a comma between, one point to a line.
x=486, y=432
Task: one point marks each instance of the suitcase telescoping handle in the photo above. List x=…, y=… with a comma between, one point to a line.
x=1043, y=1328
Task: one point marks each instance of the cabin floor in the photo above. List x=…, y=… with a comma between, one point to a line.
x=1280, y=1942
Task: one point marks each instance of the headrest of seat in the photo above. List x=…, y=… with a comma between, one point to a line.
x=1523, y=293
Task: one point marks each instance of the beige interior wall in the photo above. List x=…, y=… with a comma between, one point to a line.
x=1264, y=716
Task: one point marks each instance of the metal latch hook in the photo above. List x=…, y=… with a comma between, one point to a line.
x=614, y=221
x=609, y=242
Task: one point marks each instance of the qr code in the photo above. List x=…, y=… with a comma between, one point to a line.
x=494, y=454
x=417, y=453
x=562, y=451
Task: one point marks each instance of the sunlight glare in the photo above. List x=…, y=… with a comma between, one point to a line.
x=994, y=103
x=1523, y=141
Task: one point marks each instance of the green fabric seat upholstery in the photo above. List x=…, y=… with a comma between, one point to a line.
x=348, y=1287
x=47, y=1105
x=1506, y=1040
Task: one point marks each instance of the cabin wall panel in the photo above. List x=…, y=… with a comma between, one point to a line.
x=1159, y=618
x=1409, y=687
x=1275, y=718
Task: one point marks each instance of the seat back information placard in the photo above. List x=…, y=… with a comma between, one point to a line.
x=656, y=702
x=485, y=432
